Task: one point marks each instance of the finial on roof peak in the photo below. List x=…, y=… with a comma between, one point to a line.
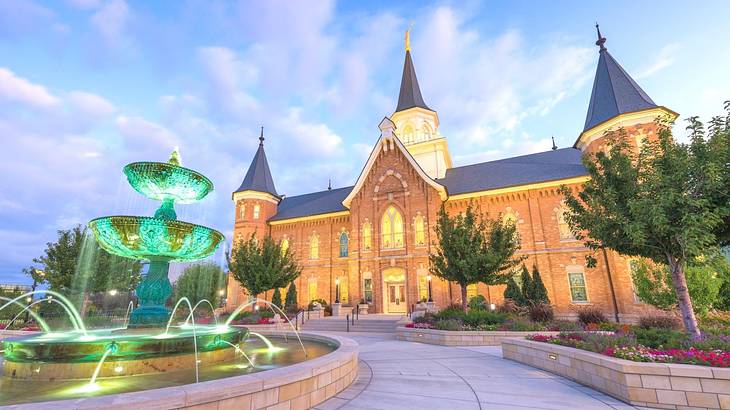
x=408, y=37
x=554, y=146
x=261, y=138
x=175, y=157
x=329, y=184
x=601, y=40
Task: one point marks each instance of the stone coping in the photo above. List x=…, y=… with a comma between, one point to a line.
x=298, y=386
x=658, y=385
x=460, y=338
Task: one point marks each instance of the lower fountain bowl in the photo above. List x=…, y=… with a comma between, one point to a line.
x=62, y=356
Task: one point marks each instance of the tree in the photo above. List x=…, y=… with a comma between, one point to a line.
x=291, y=295
x=665, y=203
x=261, y=265
x=538, y=292
x=514, y=293
x=200, y=281
x=526, y=282
x=276, y=298
x=473, y=248
x=75, y=265
x=705, y=277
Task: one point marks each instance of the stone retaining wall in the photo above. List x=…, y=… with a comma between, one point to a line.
x=299, y=386
x=456, y=338
x=658, y=385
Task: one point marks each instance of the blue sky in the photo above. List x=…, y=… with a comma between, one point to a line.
x=87, y=86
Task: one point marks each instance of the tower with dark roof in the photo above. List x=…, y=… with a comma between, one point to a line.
x=417, y=124
x=256, y=199
x=617, y=101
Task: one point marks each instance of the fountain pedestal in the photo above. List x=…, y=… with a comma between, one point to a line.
x=153, y=293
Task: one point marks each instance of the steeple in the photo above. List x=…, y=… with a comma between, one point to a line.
x=258, y=178
x=614, y=91
x=410, y=93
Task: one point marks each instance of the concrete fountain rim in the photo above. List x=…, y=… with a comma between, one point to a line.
x=220, y=389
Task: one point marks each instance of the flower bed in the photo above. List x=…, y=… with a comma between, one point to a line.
x=708, y=350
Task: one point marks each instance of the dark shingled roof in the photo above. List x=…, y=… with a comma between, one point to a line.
x=526, y=169
x=410, y=93
x=614, y=92
x=258, y=178
x=312, y=204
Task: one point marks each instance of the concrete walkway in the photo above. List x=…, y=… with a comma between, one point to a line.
x=406, y=375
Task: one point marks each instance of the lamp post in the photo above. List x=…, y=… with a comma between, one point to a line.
x=337, y=290
x=430, y=293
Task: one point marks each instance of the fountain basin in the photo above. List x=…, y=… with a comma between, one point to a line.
x=75, y=356
x=141, y=237
x=166, y=181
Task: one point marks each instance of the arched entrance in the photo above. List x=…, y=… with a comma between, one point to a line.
x=394, y=291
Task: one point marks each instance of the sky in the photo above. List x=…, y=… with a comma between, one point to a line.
x=87, y=86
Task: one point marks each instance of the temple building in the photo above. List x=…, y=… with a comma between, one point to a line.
x=374, y=237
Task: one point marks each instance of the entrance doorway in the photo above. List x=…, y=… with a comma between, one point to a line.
x=394, y=291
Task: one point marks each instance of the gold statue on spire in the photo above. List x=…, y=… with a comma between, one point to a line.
x=408, y=37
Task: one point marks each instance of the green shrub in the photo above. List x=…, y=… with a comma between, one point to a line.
x=479, y=318
x=276, y=298
x=478, y=302
x=660, y=322
x=450, y=313
x=448, y=324
x=660, y=338
x=564, y=326
x=320, y=301
x=519, y=324
x=513, y=294
x=541, y=312
x=291, y=296
x=591, y=314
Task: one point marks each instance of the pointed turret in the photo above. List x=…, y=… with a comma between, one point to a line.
x=410, y=93
x=258, y=178
x=616, y=101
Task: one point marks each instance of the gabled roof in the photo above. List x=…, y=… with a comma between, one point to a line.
x=258, y=178
x=315, y=203
x=526, y=169
x=410, y=93
x=614, y=91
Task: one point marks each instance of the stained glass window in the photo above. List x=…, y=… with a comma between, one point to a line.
x=577, y=283
x=367, y=234
x=392, y=228
x=284, y=246
x=314, y=247
x=344, y=243
x=419, y=231
x=256, y=211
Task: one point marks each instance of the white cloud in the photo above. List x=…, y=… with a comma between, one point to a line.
x=89, y=104
x=663, y=59
x=111, y=23
x=228, y=76
x=310, y=138
x=140, y=133
x=18, y=89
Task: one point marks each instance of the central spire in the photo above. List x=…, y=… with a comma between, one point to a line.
x=258, y=178
x=410, y=93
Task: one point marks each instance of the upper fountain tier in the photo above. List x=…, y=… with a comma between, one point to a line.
x=168, y=181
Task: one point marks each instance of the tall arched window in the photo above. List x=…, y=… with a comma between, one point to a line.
x=344, y=243
x=408, y=133
x=367, y=235
x=418, y=228
x=284, y=246
x=256, y=211
x=392, y=228
x=314, y=247
x=563, y=226
x=243, y=211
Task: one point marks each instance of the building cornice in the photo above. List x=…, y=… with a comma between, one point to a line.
x=309, y=218
x=518, y=188
x=623, y=120
x=264, y=196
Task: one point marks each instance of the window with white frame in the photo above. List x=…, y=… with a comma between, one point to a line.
x=578, y=291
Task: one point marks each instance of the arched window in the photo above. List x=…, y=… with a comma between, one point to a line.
x=418, y=228
x=563, y=226
x=367, y=235
x=256, y=211
x=392, y=228
x=509, y=215
x=284, y=246
x=343, y=245
x=426, y=132
x=408, y=133
x=314, y=246
x=242, y=215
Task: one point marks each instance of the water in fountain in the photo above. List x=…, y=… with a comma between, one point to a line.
x=273, y=306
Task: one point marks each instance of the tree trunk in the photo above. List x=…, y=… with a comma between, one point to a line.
x=676, y=267
x=464, y=302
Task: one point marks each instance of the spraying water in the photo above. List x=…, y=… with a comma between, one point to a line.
x=35, y=316
x=195, y=336
x=110, y=349
x=269, y=345
x=206, y=301
x=71, y=311
x=238, y=350
x=273, y=306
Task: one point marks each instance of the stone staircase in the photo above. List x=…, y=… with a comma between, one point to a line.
x=365, y=324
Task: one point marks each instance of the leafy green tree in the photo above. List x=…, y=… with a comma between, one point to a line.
x=291, y=295
x=473, y=248
x=514, y=293
x=538, y=293
x=276, y=298
x=526, y=286
x=261, y=265
x=668, y=202
x=100, y=271
x=201, y=281
x=705, y=278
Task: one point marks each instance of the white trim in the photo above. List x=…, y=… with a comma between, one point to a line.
x=388, y=137
x=249, y=194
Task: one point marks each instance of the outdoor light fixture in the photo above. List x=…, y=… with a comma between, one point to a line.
x=221, y=292
x=337, y=290
x=430, y=293
x=113, y=292
x=492, y=306
x=28, y=299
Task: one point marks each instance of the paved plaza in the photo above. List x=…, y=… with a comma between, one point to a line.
x=406, y=375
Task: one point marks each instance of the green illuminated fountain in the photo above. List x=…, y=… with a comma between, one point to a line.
x=160, y=239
